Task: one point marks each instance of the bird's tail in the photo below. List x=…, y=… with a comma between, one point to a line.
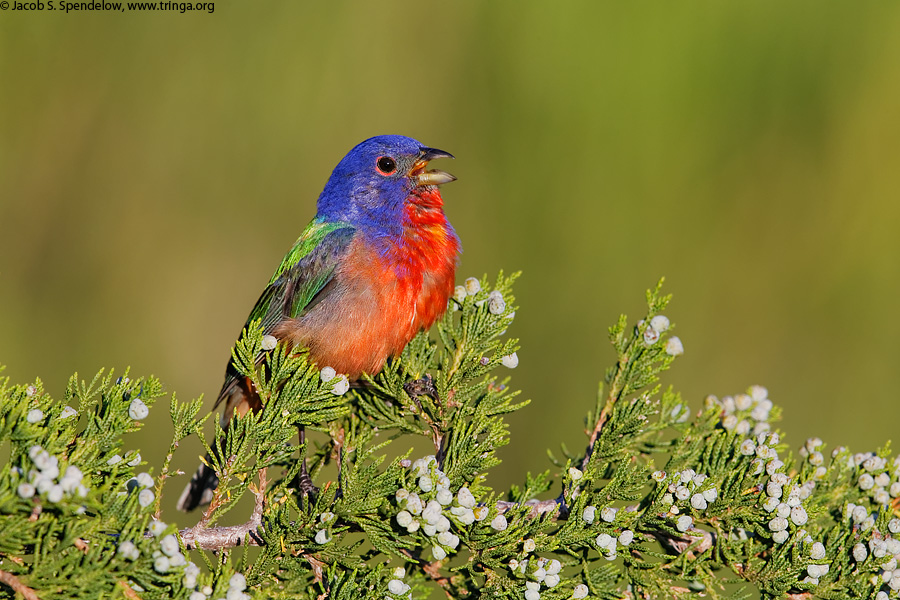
x=200, y=489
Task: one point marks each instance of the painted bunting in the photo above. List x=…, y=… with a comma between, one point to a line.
x=373, y=268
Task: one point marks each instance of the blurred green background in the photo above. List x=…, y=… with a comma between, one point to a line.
x=154, y=167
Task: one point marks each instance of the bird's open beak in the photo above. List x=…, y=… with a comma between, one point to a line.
x=433, y=177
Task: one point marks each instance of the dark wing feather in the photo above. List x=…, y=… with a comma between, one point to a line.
x=300, y=282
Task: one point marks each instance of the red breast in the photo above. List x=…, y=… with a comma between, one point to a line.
x=381, y=300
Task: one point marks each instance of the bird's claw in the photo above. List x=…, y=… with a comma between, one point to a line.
x=305, y=484
x=424, y=386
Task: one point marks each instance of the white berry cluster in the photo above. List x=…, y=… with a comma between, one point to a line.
x=680, y=413
x=784, y=496
x=657, y=326
x=817, y=570
x=606, y=542
x=495, y=301
x=339, y=383
x=141, y=483
x=686, y=487
x=766, y=459
x=784, y=499
x=470, y=287
x=397, y=586
x=744, y=413
x=166, y=556
x=48, y=482
x=496, y=304
x=236, y=585
x=878, y=483
x=539, y=571
x=876, y=479
x=432, y=507
x=134, y=461
x=810, y=451
x=35, y=415
x=326, y=519
x=129, y=550
x=883, y=551
x=137, y=410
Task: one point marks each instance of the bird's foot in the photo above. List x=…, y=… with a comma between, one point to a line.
x=424, y=386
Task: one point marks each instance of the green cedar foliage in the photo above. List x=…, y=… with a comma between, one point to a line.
x=661, y=503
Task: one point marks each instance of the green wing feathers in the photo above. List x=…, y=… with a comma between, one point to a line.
x=301, y=280
x=314, y=234
x=304, y=271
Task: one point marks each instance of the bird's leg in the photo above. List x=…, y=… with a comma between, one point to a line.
x=424, y=386
x=303, y=481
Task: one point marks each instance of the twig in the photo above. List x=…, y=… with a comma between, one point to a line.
x=317, y=567
x=695, y=542
x=218, y=538
x=615, y=389
x=433, y=570
x=538, y=507
x=216, y=501
x=164, y=474
x=127, y=591
x=17, y=586
x=35, y=513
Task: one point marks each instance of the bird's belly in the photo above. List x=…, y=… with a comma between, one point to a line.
x=358, y=336
x=359, y=327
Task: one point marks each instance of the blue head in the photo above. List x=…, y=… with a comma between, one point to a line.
x=370, y=186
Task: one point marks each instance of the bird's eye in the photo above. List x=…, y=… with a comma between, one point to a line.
x=385, y=165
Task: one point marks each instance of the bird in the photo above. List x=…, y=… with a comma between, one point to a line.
x=374, y=267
